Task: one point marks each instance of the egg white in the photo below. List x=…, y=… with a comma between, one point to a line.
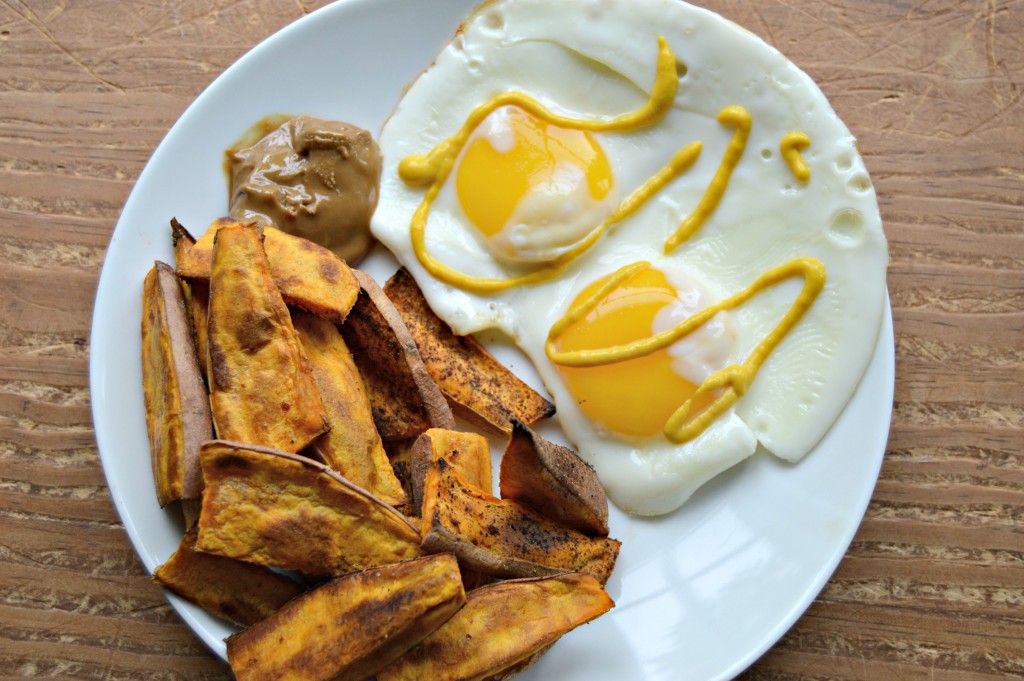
x=595, y=59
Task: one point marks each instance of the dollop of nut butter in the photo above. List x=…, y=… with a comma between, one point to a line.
x=314, y=178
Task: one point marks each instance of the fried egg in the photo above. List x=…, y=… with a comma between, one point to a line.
x=661, y=211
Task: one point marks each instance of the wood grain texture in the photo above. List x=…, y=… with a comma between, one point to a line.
x=932, y=587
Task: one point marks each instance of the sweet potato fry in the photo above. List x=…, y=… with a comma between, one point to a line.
x=287, y=511
x=261, y=387
x=553, y=481
x=467, y=453
x=238, y=592
x=477, y=386
x=178, y=417
x=310, y=276
x=498, y=537
x=346, y=629
x=405, y=400
x=197, y=291
x=182, y=241
x=501, y=626
x=352, y=446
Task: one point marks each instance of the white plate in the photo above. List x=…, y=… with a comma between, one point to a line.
x=700, y=594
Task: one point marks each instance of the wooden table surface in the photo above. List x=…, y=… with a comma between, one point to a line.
x=933, y=584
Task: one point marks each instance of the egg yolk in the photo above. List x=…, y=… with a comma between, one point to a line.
x=634, y=397
x=530, y=187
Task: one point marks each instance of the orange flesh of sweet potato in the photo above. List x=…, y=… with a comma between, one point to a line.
x=310, y=276
x=352, y=446
x=405, y=400
x=499, y=537
x=520, y=666
x=346, y=629
x=261, y=387
x=501, y=626
x=553, y=481
x=178, y=417
x=468, y=453
x=239, y=592
x=479, y=388
x=287, y=511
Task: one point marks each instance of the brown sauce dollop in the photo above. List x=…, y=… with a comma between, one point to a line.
x=314, y=178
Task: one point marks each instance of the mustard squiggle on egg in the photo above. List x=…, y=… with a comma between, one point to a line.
x=434, y=168
x=790, y=147
x=738, y=118
x=733, y=380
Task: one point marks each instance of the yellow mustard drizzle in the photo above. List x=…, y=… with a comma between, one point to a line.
x=733, y=380
x=738, y=118
x=790, y=147
x=433, y=169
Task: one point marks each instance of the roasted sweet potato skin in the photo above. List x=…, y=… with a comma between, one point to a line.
x=288, y=511
x=502, y=626
x=477, y=386
x=404, y=398
x=309, y=276
x=261, y=386
x=345, y=629
x=198, y=299
x=500, y=538
x=553, y=481
x=238, y=592
x=352, y=446
x=178, y=416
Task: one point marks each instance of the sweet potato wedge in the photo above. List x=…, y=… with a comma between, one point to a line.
x=352, y=446
x=467, y=453
x=498, y=537
x=477, y=386
x=553, y=481
x=310, y=276
x=197, y=292
x=288, y=511
x=182, y=241
x=345, y=629
x=178, y=416
x=238, y=592
x=405, y=400
x=261, y=386
x=500, y=627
